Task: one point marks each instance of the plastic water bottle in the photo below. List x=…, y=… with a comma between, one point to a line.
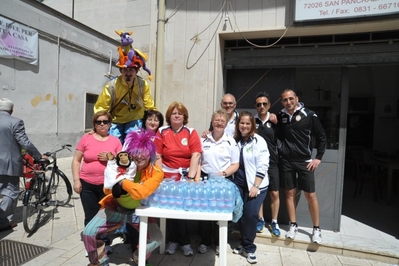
x=179, y=195
x=196, y=197
x=155, y=199
x=212, y=195
x=172, y=187
x=203, y=195
x=163, y=195
x=188, y=200
x=220, y=197
x=229, y=198
x=147, y=201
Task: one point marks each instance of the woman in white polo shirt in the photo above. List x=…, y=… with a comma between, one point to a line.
x=220, y=154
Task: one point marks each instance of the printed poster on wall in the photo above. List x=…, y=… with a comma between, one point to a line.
x=18, y=41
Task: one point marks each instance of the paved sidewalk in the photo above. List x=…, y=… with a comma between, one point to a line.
x=61, y=228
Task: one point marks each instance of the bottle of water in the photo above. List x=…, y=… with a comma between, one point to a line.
x=147, y=201
x=171, y=195
x=188, y=200
x=180, y=195
x=163, y=195
x=203, y=195
x=196, y=197
x=220, y=196
x=229, y=198
x=212, y=195
x=155, y=199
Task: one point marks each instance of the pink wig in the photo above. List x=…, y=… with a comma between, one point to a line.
x=140, y=142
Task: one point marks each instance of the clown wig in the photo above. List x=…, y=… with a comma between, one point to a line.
x=141, y=142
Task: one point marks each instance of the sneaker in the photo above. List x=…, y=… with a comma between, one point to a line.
x=260, y=225
x=238, y=250
x=203, y=248
x=251, y=258
x=292, y=232
x=86, y=254
x=274, y=229
x=172, y=246
x=316, y=237
x=217, y=250
x=187, y=250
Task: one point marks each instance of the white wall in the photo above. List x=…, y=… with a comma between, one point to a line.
x=200, y=87
x=50, y=97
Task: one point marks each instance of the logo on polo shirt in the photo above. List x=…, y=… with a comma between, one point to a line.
x=221, y=149
x=184, y=141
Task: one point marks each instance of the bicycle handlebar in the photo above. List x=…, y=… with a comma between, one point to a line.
x=63, y=147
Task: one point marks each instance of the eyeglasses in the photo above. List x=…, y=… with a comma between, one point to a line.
x=227, y=103
x=260, y=104
x=221, y=121
x=99, y=122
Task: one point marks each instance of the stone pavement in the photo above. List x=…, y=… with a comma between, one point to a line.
x=60, y=231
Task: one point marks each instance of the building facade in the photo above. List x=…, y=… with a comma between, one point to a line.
x=342, y=58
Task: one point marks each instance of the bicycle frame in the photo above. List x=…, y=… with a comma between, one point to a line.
x=43, y=190
x=38, y=169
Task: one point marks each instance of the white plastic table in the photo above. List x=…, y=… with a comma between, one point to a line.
x=145, y=212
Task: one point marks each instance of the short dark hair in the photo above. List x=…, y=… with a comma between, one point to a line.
x=151, y=112
x=262, y=94
x=287, y=90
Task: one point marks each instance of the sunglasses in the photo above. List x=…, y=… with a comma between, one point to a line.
x=260, y=104
x=99, y=122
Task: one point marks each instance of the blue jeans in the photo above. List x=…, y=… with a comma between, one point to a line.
x=120, y=130
x=250, y=218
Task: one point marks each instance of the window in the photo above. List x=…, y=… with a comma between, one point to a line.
x=90, y=101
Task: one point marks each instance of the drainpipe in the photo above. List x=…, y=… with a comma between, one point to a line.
x=160, y=52
x=57, y=89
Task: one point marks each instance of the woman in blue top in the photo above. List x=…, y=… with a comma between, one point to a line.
x=251, y=179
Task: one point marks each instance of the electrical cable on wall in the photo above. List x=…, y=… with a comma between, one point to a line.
x=195, y=38
x=248, y=41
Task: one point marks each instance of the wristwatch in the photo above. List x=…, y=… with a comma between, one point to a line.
x=224, y=173
x=188, y=177
x=257, y=186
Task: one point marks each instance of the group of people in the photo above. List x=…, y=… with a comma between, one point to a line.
x=273, y=152
x=258, y=153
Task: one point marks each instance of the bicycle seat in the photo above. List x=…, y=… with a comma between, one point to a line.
x=42, y=161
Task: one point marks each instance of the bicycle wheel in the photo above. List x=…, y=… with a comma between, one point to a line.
x=31, y=211
x=60, y=188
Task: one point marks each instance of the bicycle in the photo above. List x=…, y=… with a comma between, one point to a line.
x=41, y=190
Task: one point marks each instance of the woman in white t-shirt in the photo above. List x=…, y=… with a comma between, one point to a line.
x=220, y=156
